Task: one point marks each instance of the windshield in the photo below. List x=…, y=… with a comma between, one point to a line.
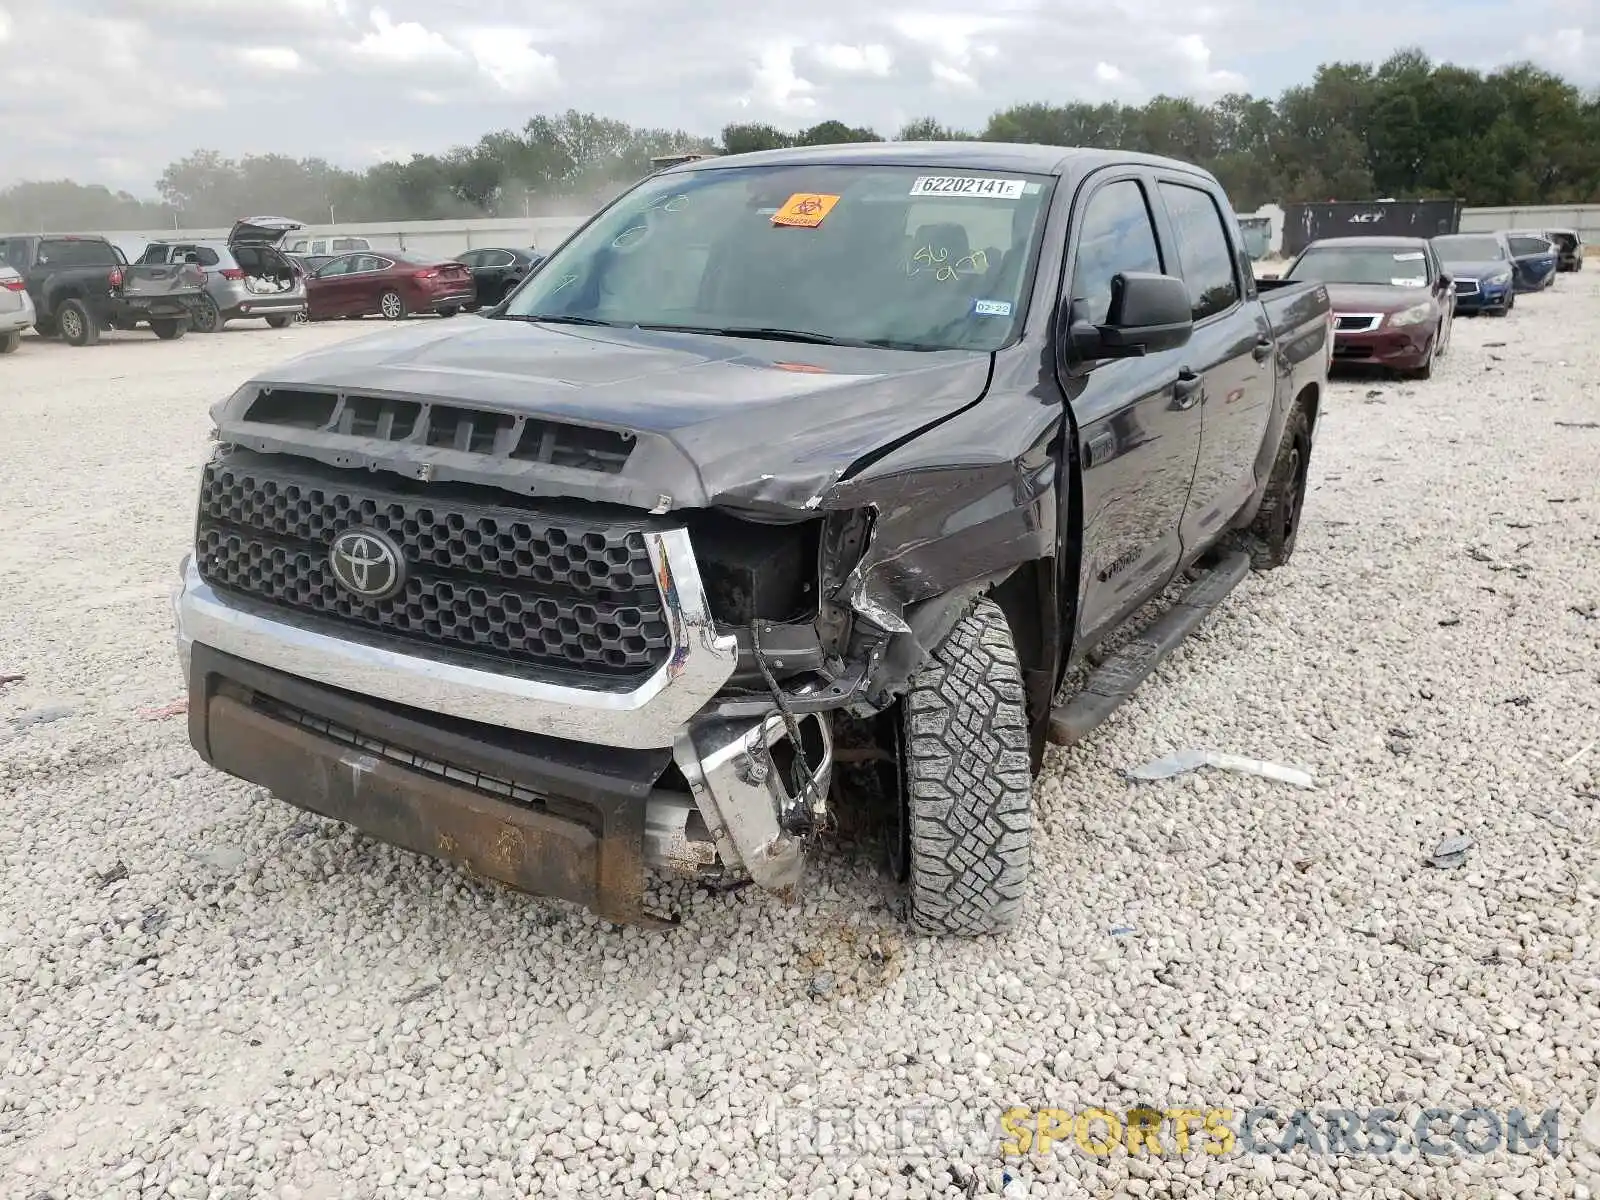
x=1392, y=266
x=903, y=257
x=1464, y=248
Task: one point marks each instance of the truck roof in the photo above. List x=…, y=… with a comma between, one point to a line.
x=1374, y=241
x=971, y=156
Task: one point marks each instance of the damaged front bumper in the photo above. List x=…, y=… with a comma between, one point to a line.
x=555, y=790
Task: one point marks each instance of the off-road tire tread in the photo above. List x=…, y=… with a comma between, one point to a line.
x=968, y=786
x=91, y=327
x=1264, y=540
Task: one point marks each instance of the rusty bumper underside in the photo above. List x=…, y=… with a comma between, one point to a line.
x=585, y=847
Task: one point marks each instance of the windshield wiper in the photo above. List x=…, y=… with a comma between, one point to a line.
x=555, y=319
x=768, y=334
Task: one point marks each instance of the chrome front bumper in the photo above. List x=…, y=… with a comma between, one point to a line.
x=740, y=795
x=648, y=716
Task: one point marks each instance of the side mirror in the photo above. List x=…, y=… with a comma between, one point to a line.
x=1446, y=281
x=1149, y=313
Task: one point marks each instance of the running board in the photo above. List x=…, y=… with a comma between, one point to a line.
x=1120, y=675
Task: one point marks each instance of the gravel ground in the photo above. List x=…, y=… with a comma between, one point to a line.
x=205, y=993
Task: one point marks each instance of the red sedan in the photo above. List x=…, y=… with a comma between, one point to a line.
x=391, y=285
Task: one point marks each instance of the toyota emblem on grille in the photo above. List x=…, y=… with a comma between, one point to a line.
x=366, y=564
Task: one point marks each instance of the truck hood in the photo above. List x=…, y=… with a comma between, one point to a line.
x=1373, y=298
x=751, y=423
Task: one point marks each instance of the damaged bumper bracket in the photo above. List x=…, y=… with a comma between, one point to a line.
x=743, y=792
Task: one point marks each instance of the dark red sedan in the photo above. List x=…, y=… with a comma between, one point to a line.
x=391, y=285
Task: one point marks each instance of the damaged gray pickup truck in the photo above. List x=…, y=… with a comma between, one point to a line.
x=892, y=435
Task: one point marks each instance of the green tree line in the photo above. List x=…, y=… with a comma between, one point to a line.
x=1407, y=128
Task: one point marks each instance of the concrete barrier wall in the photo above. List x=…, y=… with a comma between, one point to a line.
x=446, y=239
x=1585, y=218
x=434, y=239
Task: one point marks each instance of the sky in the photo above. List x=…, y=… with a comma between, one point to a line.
x=111, y=91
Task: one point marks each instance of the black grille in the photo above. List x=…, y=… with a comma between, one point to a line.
x=1357, y=323
x=470, y=430
x=1466, y=287
x=503, y=582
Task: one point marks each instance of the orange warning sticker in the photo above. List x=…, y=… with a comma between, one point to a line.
x=805, y=209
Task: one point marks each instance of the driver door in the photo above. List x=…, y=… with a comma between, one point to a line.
x=1138, y=436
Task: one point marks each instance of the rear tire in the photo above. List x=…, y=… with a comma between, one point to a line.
x=169, y=329
x=77, y=324
x=278, y=322
x=10, y=341
x=967, y=789
x=448, y=311
x=391, y=306
x=1272, y=535
x=204, y=317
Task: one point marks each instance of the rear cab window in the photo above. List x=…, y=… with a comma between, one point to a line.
x=76, y=252
x=1210, y=268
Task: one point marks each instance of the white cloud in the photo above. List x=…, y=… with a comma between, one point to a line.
x=1202, y=79
x=953, y=77
x=775, y=85
x=510, y=59
x=871, y=59
x=952, y=42
x=1107, y=72
x=278, y=59
x=403, y=43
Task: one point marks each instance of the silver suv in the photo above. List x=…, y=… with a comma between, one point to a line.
x=247, y=277
x=16, y=307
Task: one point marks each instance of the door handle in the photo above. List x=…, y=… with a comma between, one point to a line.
x=1263, y=349
x=1187, y=390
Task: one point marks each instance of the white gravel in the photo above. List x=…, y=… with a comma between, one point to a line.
x=204, y=993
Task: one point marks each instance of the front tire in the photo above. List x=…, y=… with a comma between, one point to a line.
x=77, y=324
x=1425, y=371
x=1272, y=535
x=391, y=306
x=168, y=329
x=278, y=322
x=448, y=311
x=10, y=341
x=966, y=790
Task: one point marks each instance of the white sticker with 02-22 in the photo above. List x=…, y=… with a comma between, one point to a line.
x=968, y=185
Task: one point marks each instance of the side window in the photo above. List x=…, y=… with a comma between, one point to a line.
x=1115, y=235
x=154, y=254
x=1208, y=266
x=496, y=258
x=472, y=258
x=337, y=266
x=345, y=245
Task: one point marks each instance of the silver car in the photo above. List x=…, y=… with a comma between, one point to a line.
x=247, y=276
x=16, y=308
